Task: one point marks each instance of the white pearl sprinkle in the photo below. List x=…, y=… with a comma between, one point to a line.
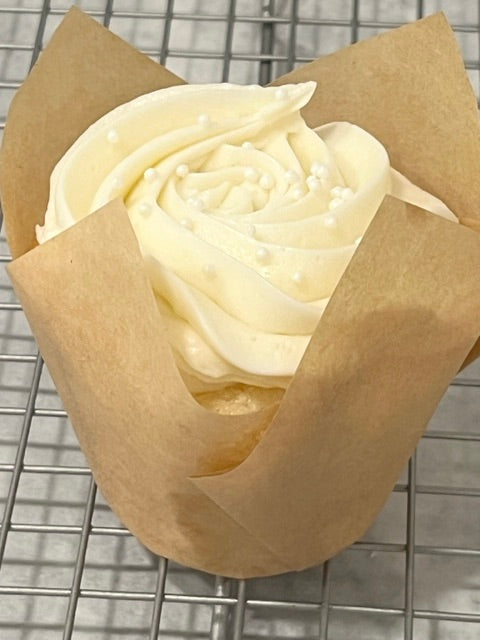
x=297, y=277
x=251, y=174
x=330, y=222
x=186, y=223
x=182, y=170
x=291, y=177
x=112, y=136
x=250, y=230
x=266, y=181
x=333, y=204
x=209, y=270
x=247, y=145
x=298, y=193
x=319, y=170
x=358, y=240
x=281, y=93
x=197, y=203
x=117, y=183
x=204, y=120
x=150, y=174
x=347, y=193
x=313, y=183
x=336, y=192
x=145, y=208
x=262, y=255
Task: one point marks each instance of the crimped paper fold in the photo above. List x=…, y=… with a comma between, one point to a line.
x=287, y=487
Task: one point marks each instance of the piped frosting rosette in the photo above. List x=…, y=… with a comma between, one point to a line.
x=245, y=216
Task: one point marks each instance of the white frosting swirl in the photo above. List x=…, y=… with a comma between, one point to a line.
x=246, y=217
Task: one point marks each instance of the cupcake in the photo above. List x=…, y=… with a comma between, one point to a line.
x=302, y=474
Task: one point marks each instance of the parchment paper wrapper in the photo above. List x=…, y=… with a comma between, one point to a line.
x=289, y=486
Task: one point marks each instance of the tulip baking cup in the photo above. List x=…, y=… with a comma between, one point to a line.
x=286, y=486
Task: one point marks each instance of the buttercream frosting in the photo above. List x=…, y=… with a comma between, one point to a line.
x=246, y=217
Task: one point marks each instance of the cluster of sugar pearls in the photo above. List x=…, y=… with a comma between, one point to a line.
x=318, y=181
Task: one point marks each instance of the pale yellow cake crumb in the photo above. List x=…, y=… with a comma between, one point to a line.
x=238, y=399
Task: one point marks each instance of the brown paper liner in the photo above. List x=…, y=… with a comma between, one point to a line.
x=283, y=488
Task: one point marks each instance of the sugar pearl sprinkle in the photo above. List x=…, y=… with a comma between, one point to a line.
x=117, y=183
x=330, y=222
x=291, y=177
x=196, y=203
x=187, y=223
x=251, y=174
x=345, y=193
x=247, y=145
x=262, y=255
x=266, y=181
x=336, y=202
x=298, y=277
x=182, y=170
x=319, y=170
x=314, y=183
x=209, y=270
x=204, y=120
x=336, y=192
x=298, y=193
x=150, y=175
x=281, y=93
x=112, y=136
x=145, y=208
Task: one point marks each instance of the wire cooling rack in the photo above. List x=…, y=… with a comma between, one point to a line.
x=68, y=568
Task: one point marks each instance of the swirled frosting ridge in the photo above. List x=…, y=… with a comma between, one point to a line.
x=245, y=216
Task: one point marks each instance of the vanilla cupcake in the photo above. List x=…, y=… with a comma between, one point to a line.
x=287, y=484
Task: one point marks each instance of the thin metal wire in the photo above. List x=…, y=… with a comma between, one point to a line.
x=159, y=598
x=266, y=55
x=22, y=447
x=419, y=9
x=278, y=605
x=410, y=550
x=355, y=22
x=108, y=13
x=80, y=563
x=228, y=53
x=325, y=605
x=239, y=611
x=220, y=612
x=292, y=37
x=166, y=32
x=239, y=18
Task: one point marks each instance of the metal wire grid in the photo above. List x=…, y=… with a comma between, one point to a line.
x=45, y=590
